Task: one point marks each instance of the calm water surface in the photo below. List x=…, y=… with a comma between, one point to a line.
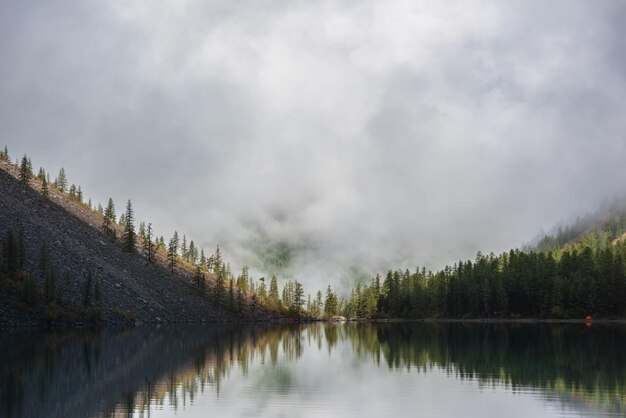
x=319, y=370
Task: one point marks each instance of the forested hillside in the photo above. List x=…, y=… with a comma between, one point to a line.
x=579, y=271
x=66, y=259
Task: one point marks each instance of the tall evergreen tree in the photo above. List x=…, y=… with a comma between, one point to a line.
x=148, y=242
x=4, y=154
x=172, y=251
x=274, y=298
x=129, y=236
x=45, y=192
x=108, y=219
x=61, y=181
x=26, y=170
x=331, y=304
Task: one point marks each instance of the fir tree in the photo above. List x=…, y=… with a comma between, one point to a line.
x=331, y=303
x=61, y=181
x=4, y=154
x=108, y=219
x=45, y=192
x=148, y=242
x=129, y=236
x=183, y=249
x=274, y=298
x=172, y=251
x=231, y=296
x=26, y=170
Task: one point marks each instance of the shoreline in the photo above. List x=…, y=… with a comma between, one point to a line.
x=282, y=321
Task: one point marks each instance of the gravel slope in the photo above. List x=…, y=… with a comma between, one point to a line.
x=128, y=281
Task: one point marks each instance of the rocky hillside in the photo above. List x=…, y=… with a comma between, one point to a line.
x=130, y=288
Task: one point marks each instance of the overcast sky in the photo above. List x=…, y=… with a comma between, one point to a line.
x=376, y=134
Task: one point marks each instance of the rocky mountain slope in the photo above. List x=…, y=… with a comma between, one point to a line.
x=131, y=288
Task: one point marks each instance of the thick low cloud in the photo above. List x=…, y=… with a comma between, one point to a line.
x=327, y=134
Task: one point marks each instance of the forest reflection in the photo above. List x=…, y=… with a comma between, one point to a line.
x=110, y=373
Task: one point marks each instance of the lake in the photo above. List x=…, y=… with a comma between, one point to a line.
x=317, y=370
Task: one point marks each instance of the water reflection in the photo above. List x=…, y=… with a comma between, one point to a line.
x=270, y=369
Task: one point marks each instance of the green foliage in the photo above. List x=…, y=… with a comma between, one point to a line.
x=129, y=236
x=172, y=251
x=199, y=280
x=61, y=180
x=148, y=245
x=44, y=188
x=4, y=155
x=109, y=219
x=26, y=170
x=331, y=305
x=577, y=280
x=231, y=296
x=274, y=299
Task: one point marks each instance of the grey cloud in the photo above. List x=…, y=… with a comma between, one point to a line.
x=354, y=134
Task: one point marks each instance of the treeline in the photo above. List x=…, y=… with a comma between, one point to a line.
x=609, y=221
x=584, y=278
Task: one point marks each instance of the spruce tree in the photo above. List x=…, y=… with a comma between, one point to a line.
x=298, y=295
x=231, y=296
x=4, y=154
x=148, y=242
x=273, y=293
x=129, y=236
x=184, y=252
x=331, y=304
x=220, y=284
x=45, y=192
x=26, y=170
x=108, y=219
x=172, y=252
x=61, y=181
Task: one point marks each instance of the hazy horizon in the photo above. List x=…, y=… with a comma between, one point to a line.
x=354, y=134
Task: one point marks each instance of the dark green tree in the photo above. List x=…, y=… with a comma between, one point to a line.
x=61, y=180
x=26, y=170
x=44, y=188
x=129, y=237
x=172, y=251
x=109, y=219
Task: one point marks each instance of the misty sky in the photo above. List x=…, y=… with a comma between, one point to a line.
x=376, y=134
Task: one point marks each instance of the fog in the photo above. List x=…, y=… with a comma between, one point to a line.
x=344, y=137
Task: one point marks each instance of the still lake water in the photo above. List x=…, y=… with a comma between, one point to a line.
x=317, y=370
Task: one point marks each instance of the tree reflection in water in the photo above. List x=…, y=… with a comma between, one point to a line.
x=109, y=373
